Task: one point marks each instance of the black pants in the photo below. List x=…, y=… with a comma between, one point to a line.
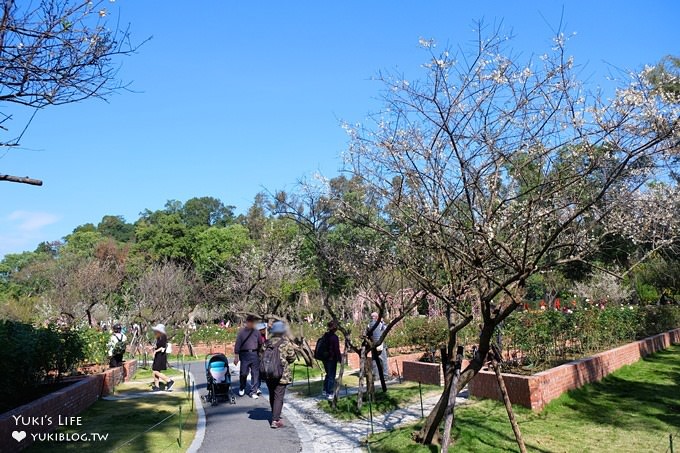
x=249, y=361
x=276, y=393
x=330, y=368
x=116, y=360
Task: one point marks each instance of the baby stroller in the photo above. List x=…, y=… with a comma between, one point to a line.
x=218, y=378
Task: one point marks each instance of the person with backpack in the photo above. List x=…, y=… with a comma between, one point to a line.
x=277, y=355
x=117, y=345
x=327, y=350
x=246, y=350
x=262, y=329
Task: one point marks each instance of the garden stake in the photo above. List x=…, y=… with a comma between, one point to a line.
x=193, y=390
x=420, y=390
x=179, y=439
x=670, y=439
x=292, y=381
x=309, y=386
x=370, y=411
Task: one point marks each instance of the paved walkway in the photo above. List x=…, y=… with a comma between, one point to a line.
x=321, y=433
x=244, y=426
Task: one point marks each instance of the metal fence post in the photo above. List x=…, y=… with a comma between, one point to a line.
x=309, y=386
x=179, y=439
x=370, y=411
x=420, y=390
x=670, y=440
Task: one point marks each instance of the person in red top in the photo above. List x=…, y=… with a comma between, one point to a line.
x=330, y=363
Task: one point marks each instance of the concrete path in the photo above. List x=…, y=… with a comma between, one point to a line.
x=321, y=433
x=242, y=427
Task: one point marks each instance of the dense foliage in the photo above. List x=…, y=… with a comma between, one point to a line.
x=545, y=338
x=32, y=356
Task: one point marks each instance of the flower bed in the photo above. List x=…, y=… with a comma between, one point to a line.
x=537, y=390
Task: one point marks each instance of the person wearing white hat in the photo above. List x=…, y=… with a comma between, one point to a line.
x=160, y=359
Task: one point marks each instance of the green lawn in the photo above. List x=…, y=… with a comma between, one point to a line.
x=631, y=410
x=316, y=387
x=397, y=396
x=300, y=371
x=125, y=419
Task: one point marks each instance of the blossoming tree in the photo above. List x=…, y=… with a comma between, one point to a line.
x=489, y=169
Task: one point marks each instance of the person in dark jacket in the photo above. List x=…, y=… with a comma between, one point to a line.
x=277, y=386
x=160, y=359
x=330, y=365
x=246, y=349
x=262, y=329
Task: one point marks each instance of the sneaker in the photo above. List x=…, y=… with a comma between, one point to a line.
x=254, y=396
x=330, y=397
x=155, y=388
x=169, y=385
x=259, y=392
x=241, y=392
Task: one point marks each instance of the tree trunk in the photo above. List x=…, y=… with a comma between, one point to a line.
x=370, y=380
x=453, y=394
x=90, y=318
x=338, y=382
x=362, y=377
x=508, y=406
x=430, y=430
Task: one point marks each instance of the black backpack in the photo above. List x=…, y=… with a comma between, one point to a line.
x=322, y=350
x=271, y=367
x=120, y=346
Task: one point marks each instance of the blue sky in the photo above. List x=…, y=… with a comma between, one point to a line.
x=231, y=97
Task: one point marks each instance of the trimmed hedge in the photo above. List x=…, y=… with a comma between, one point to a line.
x=32, y=356
x=547, y=337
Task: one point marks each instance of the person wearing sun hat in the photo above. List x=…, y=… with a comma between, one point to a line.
x=160, y=359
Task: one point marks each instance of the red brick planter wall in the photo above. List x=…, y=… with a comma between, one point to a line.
x=66, y=402
x=202, y=349
x=539, y=389
x=395, y=363
x=425, y=373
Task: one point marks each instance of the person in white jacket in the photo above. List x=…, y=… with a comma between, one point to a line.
x=117, y=344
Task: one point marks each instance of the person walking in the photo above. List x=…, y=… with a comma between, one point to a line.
x=246, y=350
x=117, y=345
x=331, y=356
x=382, y=350
x=277, y=355
x=262, y=330
x=160, y=359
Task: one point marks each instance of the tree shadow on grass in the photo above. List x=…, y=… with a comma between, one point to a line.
x=479, y=431
x=625, y=399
